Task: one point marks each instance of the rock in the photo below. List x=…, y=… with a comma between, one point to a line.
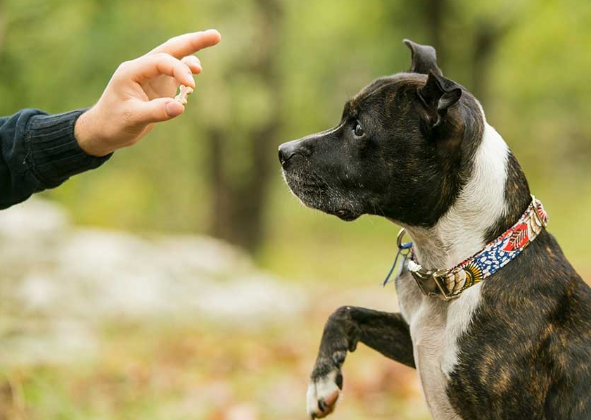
x=56, y=276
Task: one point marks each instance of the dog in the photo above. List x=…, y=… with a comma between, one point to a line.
x=493, y=317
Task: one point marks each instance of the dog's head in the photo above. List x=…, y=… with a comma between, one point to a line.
x=402, y=149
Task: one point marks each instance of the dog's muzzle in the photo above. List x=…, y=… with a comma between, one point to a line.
x=290, y=149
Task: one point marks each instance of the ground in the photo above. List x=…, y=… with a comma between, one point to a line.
x=100, y=324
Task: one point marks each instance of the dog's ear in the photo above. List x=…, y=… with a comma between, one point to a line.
x=439, y=94
x=423, y=57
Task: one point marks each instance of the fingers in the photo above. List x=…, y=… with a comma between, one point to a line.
x=156, y=110
x=151, y=66
x=187, y=44
x=193, y=63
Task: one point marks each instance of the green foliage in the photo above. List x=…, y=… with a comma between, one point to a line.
x=57, y=55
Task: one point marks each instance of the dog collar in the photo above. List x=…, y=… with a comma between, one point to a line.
x=448, y=284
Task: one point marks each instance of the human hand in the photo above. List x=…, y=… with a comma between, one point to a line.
x=140, y=93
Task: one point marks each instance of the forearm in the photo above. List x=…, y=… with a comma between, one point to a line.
x=384, y=332
x=39, y=151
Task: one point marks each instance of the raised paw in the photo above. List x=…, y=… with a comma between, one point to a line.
x=323, y=394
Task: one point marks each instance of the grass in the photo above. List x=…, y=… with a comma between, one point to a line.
x=204, y=372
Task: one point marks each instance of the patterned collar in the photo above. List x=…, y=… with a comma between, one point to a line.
x=448, y=284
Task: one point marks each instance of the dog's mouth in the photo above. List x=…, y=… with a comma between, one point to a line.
x=315, y=193
x=345, y=214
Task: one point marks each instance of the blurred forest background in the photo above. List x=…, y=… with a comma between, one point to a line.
x=283, y=70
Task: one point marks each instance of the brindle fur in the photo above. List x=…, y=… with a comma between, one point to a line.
x=527, y=351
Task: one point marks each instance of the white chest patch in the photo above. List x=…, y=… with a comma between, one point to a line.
x=459, y=316
x=436, y=326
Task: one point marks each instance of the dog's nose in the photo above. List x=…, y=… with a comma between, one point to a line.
x=290, y=149
x=286, y=152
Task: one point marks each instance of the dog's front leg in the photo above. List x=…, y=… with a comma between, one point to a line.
x=385, y=332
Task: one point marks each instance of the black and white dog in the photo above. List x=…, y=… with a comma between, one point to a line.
x=508, y=342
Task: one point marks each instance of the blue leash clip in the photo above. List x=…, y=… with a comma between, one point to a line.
x=402, y=247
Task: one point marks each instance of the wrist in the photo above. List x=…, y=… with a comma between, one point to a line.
x=53, y=153
x=88, y=138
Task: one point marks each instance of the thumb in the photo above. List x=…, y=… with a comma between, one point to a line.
x=157, y=110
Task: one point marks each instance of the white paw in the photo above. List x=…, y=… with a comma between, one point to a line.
x=323, y=395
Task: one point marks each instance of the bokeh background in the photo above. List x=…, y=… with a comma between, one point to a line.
x=182, y=280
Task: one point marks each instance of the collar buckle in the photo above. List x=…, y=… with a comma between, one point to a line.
x=534, y=204
x=432, y=282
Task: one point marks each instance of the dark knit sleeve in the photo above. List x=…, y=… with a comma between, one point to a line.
x=39, y=151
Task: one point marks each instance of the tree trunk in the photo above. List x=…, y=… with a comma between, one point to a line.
x=2, y=25
x=486, y=36
x=238, y=208
x=435, y=11
x=486, y=39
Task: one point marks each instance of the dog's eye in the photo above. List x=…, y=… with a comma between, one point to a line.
x=358, y=131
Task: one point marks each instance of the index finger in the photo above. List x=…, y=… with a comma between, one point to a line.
x=188, y=44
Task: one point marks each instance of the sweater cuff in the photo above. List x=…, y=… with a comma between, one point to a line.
x=53, y=153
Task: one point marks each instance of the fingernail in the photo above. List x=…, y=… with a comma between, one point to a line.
x=172, y=109
x=191, y=79
x=214, y=30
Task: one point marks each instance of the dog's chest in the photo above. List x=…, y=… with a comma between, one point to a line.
x=435, y=327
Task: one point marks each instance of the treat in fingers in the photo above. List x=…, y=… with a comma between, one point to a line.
x=184, y=92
